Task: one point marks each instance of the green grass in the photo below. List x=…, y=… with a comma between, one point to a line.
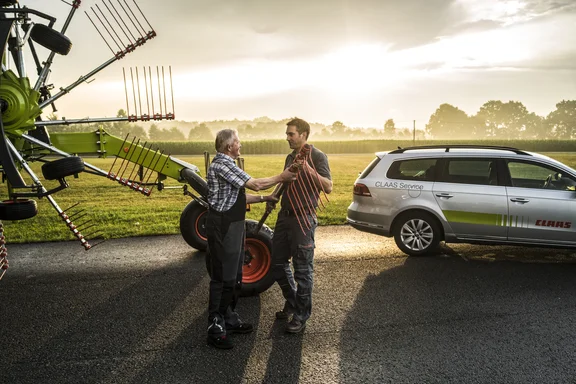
x=116, y=211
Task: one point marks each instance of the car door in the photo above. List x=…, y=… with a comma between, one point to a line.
x=542, y=204
x=470, y=197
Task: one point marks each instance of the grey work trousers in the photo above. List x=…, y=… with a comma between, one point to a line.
x=291, y=243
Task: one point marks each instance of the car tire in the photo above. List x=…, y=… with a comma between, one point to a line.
x=257, y=274
x=193, y=225
x=18, y=209
x=50, y=39
x=61, y=168
x=417, y=233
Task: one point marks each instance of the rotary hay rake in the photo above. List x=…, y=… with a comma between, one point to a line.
x=26, y=138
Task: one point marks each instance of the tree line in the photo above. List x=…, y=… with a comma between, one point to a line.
x=494, y=120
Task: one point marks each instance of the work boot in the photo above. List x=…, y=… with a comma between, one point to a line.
x=295, y=326
x=217, y=335
x=285, y=313
x=240, y=328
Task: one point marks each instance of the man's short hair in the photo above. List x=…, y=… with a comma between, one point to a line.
x=301, y=126
x=224, y=138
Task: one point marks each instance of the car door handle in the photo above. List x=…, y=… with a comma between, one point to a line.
x=444, y=195
x=520, y=200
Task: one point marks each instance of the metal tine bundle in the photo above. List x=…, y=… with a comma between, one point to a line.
x=78, y=215
x=141, y=160
x=124, y=29
x=155, y=91
x=3, y=253
x=303, y=194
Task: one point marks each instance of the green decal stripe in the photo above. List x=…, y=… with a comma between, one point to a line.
x=475, y=217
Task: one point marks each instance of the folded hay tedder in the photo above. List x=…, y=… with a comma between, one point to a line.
x=25, y=137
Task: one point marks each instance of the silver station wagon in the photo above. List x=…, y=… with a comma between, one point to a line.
x=468, y=194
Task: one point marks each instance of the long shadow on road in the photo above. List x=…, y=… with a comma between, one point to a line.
x=445, y=319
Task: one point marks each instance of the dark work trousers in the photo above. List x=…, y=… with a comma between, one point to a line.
x=226, y=256
x=289, y=242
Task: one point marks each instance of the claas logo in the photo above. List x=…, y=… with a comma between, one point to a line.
x=554, y=224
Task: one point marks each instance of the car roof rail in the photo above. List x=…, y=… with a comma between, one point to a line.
x=447, y=148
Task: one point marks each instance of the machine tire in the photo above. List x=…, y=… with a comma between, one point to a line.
x=257, y=275
x=50, y=39
x=18, y=209
x=193, y=225
x=428, y=228
x=8, y=3
x=61, y=168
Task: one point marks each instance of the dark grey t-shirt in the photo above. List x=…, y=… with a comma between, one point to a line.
x=307, y=194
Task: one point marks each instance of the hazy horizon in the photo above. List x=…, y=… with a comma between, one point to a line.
x=360, y=62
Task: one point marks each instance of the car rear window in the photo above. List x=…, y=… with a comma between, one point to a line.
x=413, y=169
x=370, y=167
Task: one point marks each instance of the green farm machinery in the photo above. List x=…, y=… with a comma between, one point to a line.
x=25, y=137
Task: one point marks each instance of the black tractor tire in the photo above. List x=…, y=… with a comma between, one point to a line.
x=8, y=3
x=61, y=168
x=417, y=233
x=50, y=39
x=18, y=209
x=257, y=274
x=193, y=225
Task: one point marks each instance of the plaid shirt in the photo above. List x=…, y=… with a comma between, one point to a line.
x=225, y=180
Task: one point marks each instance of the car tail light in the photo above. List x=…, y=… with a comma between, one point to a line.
x=361, y=190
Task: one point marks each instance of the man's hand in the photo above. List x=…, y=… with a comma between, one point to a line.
x=288, y=175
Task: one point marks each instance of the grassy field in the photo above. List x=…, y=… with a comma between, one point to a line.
x=116, y=211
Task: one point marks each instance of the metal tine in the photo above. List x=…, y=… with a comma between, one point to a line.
x=294, y=209
x=117, y=22
x=161, y=168
x=75, y=215
x=121, y=19
x=124, y=160
x=132, y=18
x=110, y=25
x=164, y=87
x=72, y=206
x=126, y=92
x=83, y=224
x=172, y=92
x=118, y=154
x=144, y=160
x=138, y=85
x=154, y=166
x=107, y=30
x=141, y=13
x=138, y=159
x=88, y=227
x=146, y=86
x=100, y=33
x=304, y=183
x=318, y=176
x=151, y=88
x=300, y=206
x=133, y=91
x=129, y=156
x=313, y=187
x=159, y=90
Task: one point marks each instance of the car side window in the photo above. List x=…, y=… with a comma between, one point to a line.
x=531, y=175
x=470, y=171
x=413, y=169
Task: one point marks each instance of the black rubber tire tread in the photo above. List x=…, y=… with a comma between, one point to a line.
x=18, y=209
x=193, y=225
x=61, y=168
x=196, y=181
x=265, y=235
x=8, y=3
x=50, y=39
x=430, y=220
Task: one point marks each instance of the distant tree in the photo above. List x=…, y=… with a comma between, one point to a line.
x=173, y=134
x=389, y=129
x=154, y=133
x=562, y=121
x=448, y=122
x=201, y=132
x=338, y=129
x=503, y=120
x=535, y=127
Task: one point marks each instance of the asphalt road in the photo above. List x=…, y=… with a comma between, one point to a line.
x=134, y=311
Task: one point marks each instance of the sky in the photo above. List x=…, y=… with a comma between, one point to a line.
x=360, y=62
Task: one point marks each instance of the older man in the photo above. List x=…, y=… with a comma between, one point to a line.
x=225, y=225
